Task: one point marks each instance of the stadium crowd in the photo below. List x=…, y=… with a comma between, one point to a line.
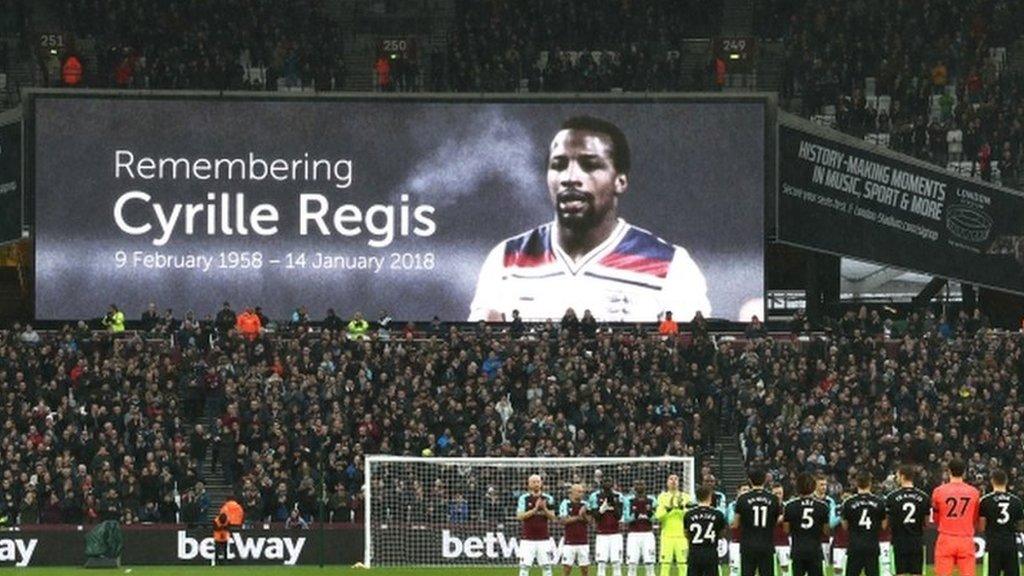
x=107, y=424
x=96, y=426
x=852, y=400
x=568, y=47
x=229, y=45
x=86, y=413
x=942, y=64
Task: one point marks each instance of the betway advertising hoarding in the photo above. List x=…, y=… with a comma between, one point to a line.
x=65, y=546
x=472, y=544
x=841, y=196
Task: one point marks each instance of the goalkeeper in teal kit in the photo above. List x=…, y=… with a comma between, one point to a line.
x=672, y=505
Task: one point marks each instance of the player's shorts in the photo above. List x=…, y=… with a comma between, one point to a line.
x=734, y=558
x=677, y=548
x=578, y=554
x=608, y=548
x=1001, y=563
x=953, y=551
x=908, y=556
x=782, y=553
x=807, y=567
x=862, y=562
x=885, y=558
x=640, y=548
x=761, y=562
x=701, y=567
x=541, y=552
x=838, y=560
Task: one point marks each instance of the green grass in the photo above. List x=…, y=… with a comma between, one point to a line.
x=297, y=571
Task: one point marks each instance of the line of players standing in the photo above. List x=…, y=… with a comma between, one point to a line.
x=874, y=534
x=869, y=534
x=685, y=538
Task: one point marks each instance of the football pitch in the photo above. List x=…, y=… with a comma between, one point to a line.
x=298, y=571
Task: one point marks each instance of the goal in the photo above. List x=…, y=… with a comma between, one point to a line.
x=445, y=511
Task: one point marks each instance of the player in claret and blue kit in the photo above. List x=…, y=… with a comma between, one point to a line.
x=735, y=532
x=638, y=516
x=535, y=509
x=576, y=519
x=606, y=507
x=834, y=524
x=781, y=538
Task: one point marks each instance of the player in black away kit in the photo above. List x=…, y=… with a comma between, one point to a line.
x=757, y=513
x=1001, y=514
x=908, y=508
x=806, y=519
x=864, y=517
x=704, y=526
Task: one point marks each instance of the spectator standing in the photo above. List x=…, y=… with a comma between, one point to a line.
x=357, y=327
x=332, y=322
x=249, y=324
x=668, y=326
x=114, y=320
x=225, y=320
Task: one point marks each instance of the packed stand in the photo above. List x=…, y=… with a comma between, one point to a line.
x=568, y=46
x=224, y=45
x=104, y=424
x=870, y=394
x=109, y=424
x=928, y=79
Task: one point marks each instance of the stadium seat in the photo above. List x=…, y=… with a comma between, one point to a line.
x=955, y=144
x=884, y=104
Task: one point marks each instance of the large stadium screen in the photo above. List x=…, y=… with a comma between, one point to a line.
x=846, y=198
x=10, y=181
x=463, y=209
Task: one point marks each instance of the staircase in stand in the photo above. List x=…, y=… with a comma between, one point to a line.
x=730, y=467
x=217, y=486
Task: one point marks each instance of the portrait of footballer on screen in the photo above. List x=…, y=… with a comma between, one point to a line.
x=588, y=257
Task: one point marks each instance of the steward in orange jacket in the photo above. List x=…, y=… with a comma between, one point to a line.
x=230, y=517
x=248, y=324
x=221, y=537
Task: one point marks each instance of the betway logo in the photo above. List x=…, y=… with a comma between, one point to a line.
x=492, y=545
x=243, y=548
x=17, y=550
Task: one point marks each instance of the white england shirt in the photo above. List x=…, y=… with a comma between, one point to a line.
x=632, y=276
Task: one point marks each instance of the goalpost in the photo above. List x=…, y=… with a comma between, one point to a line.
x=445, y=511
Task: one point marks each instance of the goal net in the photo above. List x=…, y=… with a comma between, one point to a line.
x=445, y=511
